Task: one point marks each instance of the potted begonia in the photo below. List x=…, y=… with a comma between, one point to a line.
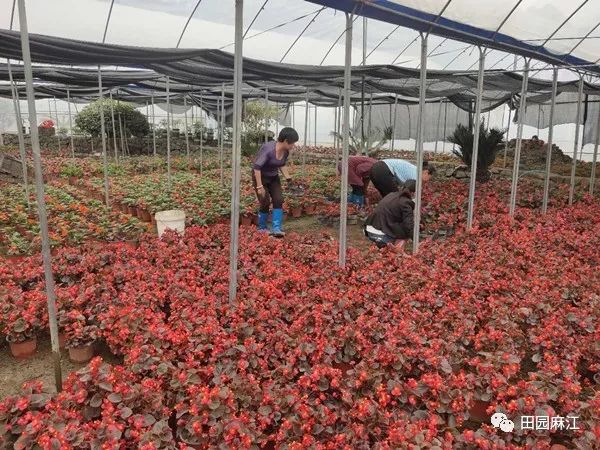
x=80, y=333
x=20, y=321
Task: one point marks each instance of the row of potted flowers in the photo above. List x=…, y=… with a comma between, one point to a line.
x=393, y=349
x=72, y=219
x=203, y=198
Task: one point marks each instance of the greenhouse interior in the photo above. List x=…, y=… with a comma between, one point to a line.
x=268, y=224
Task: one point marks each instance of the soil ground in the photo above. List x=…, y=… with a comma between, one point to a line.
x=13, y=372
x=310, y=225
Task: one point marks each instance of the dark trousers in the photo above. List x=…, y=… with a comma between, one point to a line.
x=383, y=179
x=357, y=190
x=273, y=192
x=381, y=240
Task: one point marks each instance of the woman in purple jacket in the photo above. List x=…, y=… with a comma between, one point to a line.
x=269, y=161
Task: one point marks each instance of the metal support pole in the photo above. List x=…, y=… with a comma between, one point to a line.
x=457, y=116
x=147, y=118
x=395, y=119
x=517, y=157
x=187, y=138
x=236, y=150
x=114, y=128
x=41, y=202
x=127, y=152
x=503, y=115
x=153, y=128
x=538, y=120
x=345, y=145
x=266, y=114
x=70, y=124
x=474, y=157
x=595, y=157
x=507, y=137
x=583, y=119
x=335, y=131
x=121, y=126
x=419, y=142
x=57, y=126
x=305, y=134
x=390, y=119
x=201, y=135
x=576, y=144
x=339, y=126
x=221, y=128
x=19, y=119
x=293, y=115
x=445, y=129
x=362, y=90
x=315, y=130
x=168, y=133
x=370, y=128
x=437, y=128
x=309, y=125
x=103, y=136
x=121, y=134
x=193, y=120
x=549, y=145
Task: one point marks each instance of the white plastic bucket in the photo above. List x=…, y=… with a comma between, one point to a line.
x=173, y=220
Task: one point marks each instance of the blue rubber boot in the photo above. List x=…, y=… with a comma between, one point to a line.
x=262, y=221
x=359, y=200
x=277, y=222
x=351, y=198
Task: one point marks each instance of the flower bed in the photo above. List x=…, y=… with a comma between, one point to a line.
x=203, y=198
x=72, y=219
x=389, y=352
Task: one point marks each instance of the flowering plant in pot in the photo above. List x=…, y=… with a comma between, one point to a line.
x=20, y=319
x=72, y=172
x=46, y=128
x=143, y=210
x=16, y=410
x=294, y=206
x=310, y=206
x=80, y=334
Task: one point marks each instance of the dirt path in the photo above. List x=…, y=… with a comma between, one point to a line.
x=13, y=373
x=310, y=224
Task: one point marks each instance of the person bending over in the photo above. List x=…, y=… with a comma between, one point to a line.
x=392, y=221
x=359, y=168
x=389, y=174
x=269, y=161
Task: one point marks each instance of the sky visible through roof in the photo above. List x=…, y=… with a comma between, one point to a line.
x=159, y=23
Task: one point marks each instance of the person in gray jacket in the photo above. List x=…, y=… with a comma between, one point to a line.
x=393, y=217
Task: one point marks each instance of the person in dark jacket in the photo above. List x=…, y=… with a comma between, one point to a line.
x=393, y=218
x=359, y=168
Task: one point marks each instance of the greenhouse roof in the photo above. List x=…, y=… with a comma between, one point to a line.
x=561, y=38
x=550, y=31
